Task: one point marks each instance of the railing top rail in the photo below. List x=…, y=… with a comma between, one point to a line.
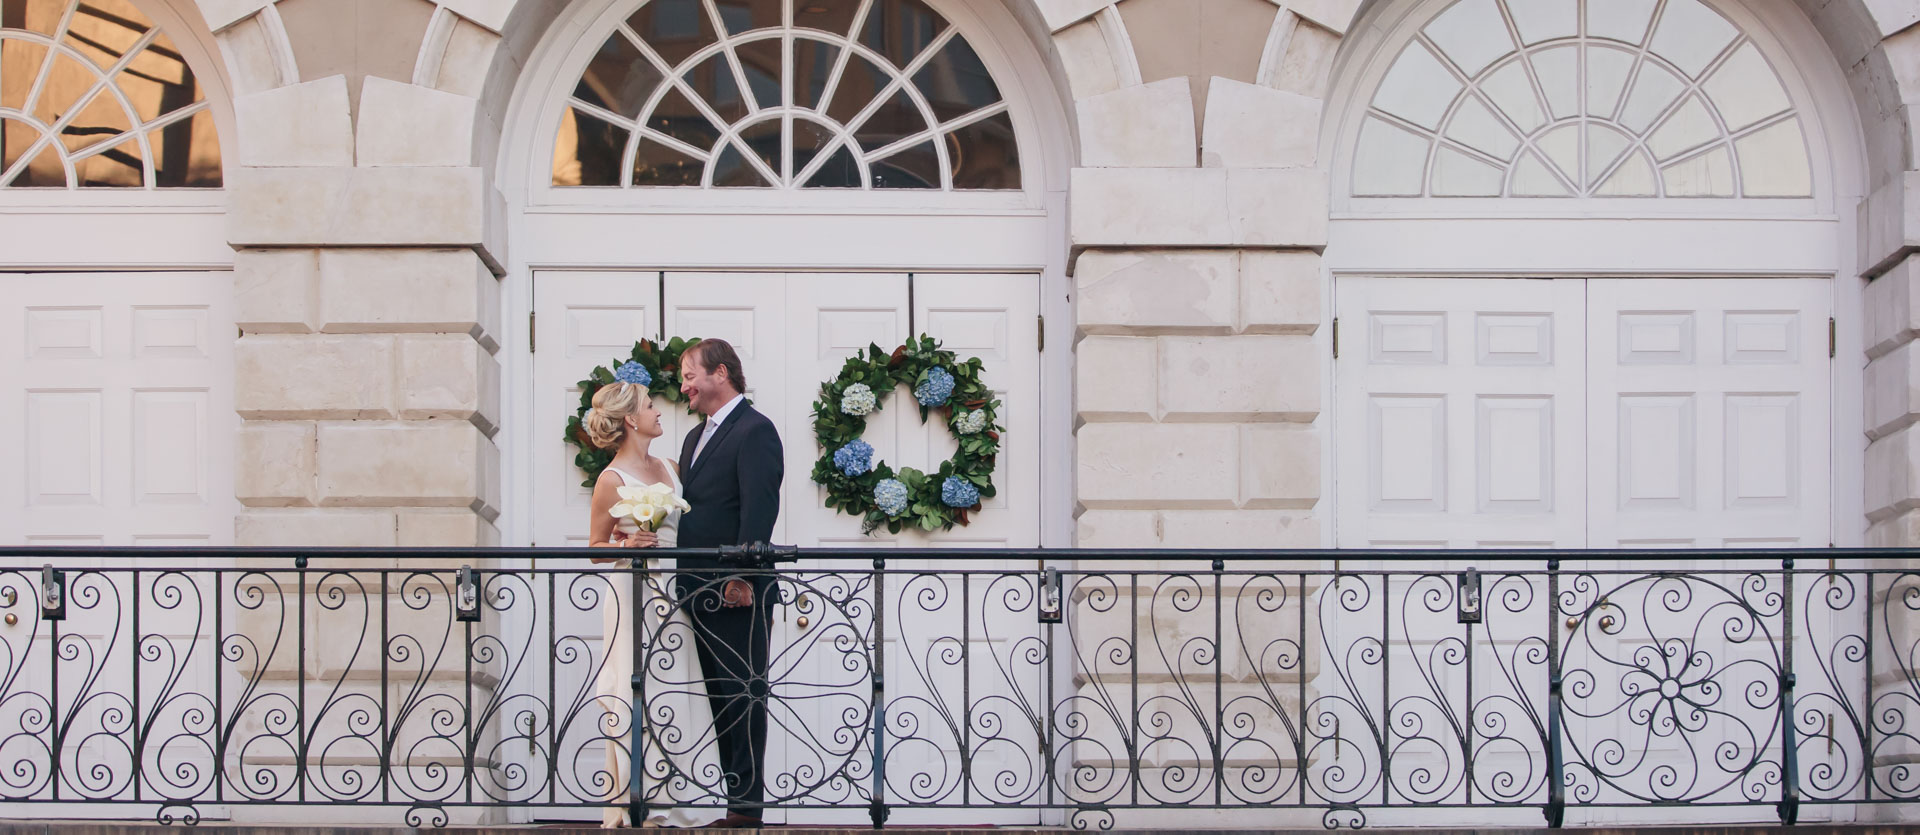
x=1119, y=555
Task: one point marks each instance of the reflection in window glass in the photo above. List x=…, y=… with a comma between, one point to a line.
x=982, y=155
x=676, y=29
x=915, y=167
x=761, y=61
x=764, y=140
x=20, y=62
x=809, y=141
x=898, y=119
x=839, y=171
x=589, y=150
x=619, y=79
x=655, y=164
x=186, y=153
x=117, y=106
x=823, y=104
x=812, y=63
x=741, y=16
x=860, y=83
x=676, y=117
x=116, y=167
x=732, y=169
x=713, y=81
x=955, y=82
x=900, y=29
x=834, y=16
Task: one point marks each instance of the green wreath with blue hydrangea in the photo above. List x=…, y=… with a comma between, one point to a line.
x=858, y=485
x=655, y=365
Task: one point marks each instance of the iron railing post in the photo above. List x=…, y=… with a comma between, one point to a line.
x=637, y=684
x=1789, y=808
x=1556, y=810
x=300, y=677
x=877, y=811
x=1218, y=734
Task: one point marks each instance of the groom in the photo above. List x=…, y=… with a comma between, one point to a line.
x=731, y=467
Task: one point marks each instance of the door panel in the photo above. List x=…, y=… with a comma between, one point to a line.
x=585, y=320
x=1710, y=423
x=118, y=414
x=1710, y=429
x=748, y=310
x=821, y=707
x=1461, y=413
x=831, y=318
x=991, y=317
x=123, y=409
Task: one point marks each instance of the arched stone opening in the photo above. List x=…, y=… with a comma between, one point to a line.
x=800, y=235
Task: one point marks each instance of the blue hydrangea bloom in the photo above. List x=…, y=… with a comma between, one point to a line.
x=854, y=458
x=934, y=390
x=891, y=497
x=633, y=372
x=959, y=492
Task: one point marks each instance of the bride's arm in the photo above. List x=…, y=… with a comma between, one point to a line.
x=600, y=524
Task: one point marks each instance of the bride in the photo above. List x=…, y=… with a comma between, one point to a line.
x=623, y=420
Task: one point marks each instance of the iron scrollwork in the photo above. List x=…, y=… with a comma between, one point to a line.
x=1084, y=696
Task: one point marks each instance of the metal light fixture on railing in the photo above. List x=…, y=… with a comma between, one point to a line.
x=1467, y=598
x=466, y=595
x=1050, y=608
x=53, y=593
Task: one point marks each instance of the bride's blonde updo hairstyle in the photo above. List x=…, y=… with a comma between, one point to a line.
x=606, y=422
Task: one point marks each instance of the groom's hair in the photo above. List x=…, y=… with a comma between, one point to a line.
x=716, y=353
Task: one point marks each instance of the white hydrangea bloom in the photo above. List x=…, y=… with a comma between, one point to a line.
x=971, y=422
x=858, y=400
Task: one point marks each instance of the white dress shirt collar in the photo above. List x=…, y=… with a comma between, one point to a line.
x=713, y=423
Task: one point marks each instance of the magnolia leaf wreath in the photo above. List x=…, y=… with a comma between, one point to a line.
x=857, y=485
x=651, y=364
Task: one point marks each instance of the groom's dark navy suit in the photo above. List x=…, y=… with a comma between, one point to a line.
x=733, y=487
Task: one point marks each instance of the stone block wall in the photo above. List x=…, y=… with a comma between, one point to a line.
x=1198, y=376
x=365, y=290
x=366, y=369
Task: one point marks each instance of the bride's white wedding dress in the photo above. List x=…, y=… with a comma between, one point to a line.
x=677, y=755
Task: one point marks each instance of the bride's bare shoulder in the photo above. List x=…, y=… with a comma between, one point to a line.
x=608, y=479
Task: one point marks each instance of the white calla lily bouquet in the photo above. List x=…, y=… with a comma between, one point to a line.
x=646, y=507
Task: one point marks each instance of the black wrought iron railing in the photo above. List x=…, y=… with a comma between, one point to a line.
x=998, y=686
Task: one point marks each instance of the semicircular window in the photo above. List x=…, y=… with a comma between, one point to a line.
x=788, y=94
x=1582, y=98
x=94, y=95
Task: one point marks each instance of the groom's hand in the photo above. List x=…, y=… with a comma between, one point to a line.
x=736, y=593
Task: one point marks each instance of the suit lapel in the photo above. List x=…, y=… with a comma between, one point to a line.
x=719, y=436
x=686, y=452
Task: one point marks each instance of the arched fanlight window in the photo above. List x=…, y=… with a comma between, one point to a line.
x=1581, y=98
x=850, y=94
x=92, y=95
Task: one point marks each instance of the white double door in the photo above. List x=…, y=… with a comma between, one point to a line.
x=794, y=331
x=1596, y=413
x=1583, y=413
